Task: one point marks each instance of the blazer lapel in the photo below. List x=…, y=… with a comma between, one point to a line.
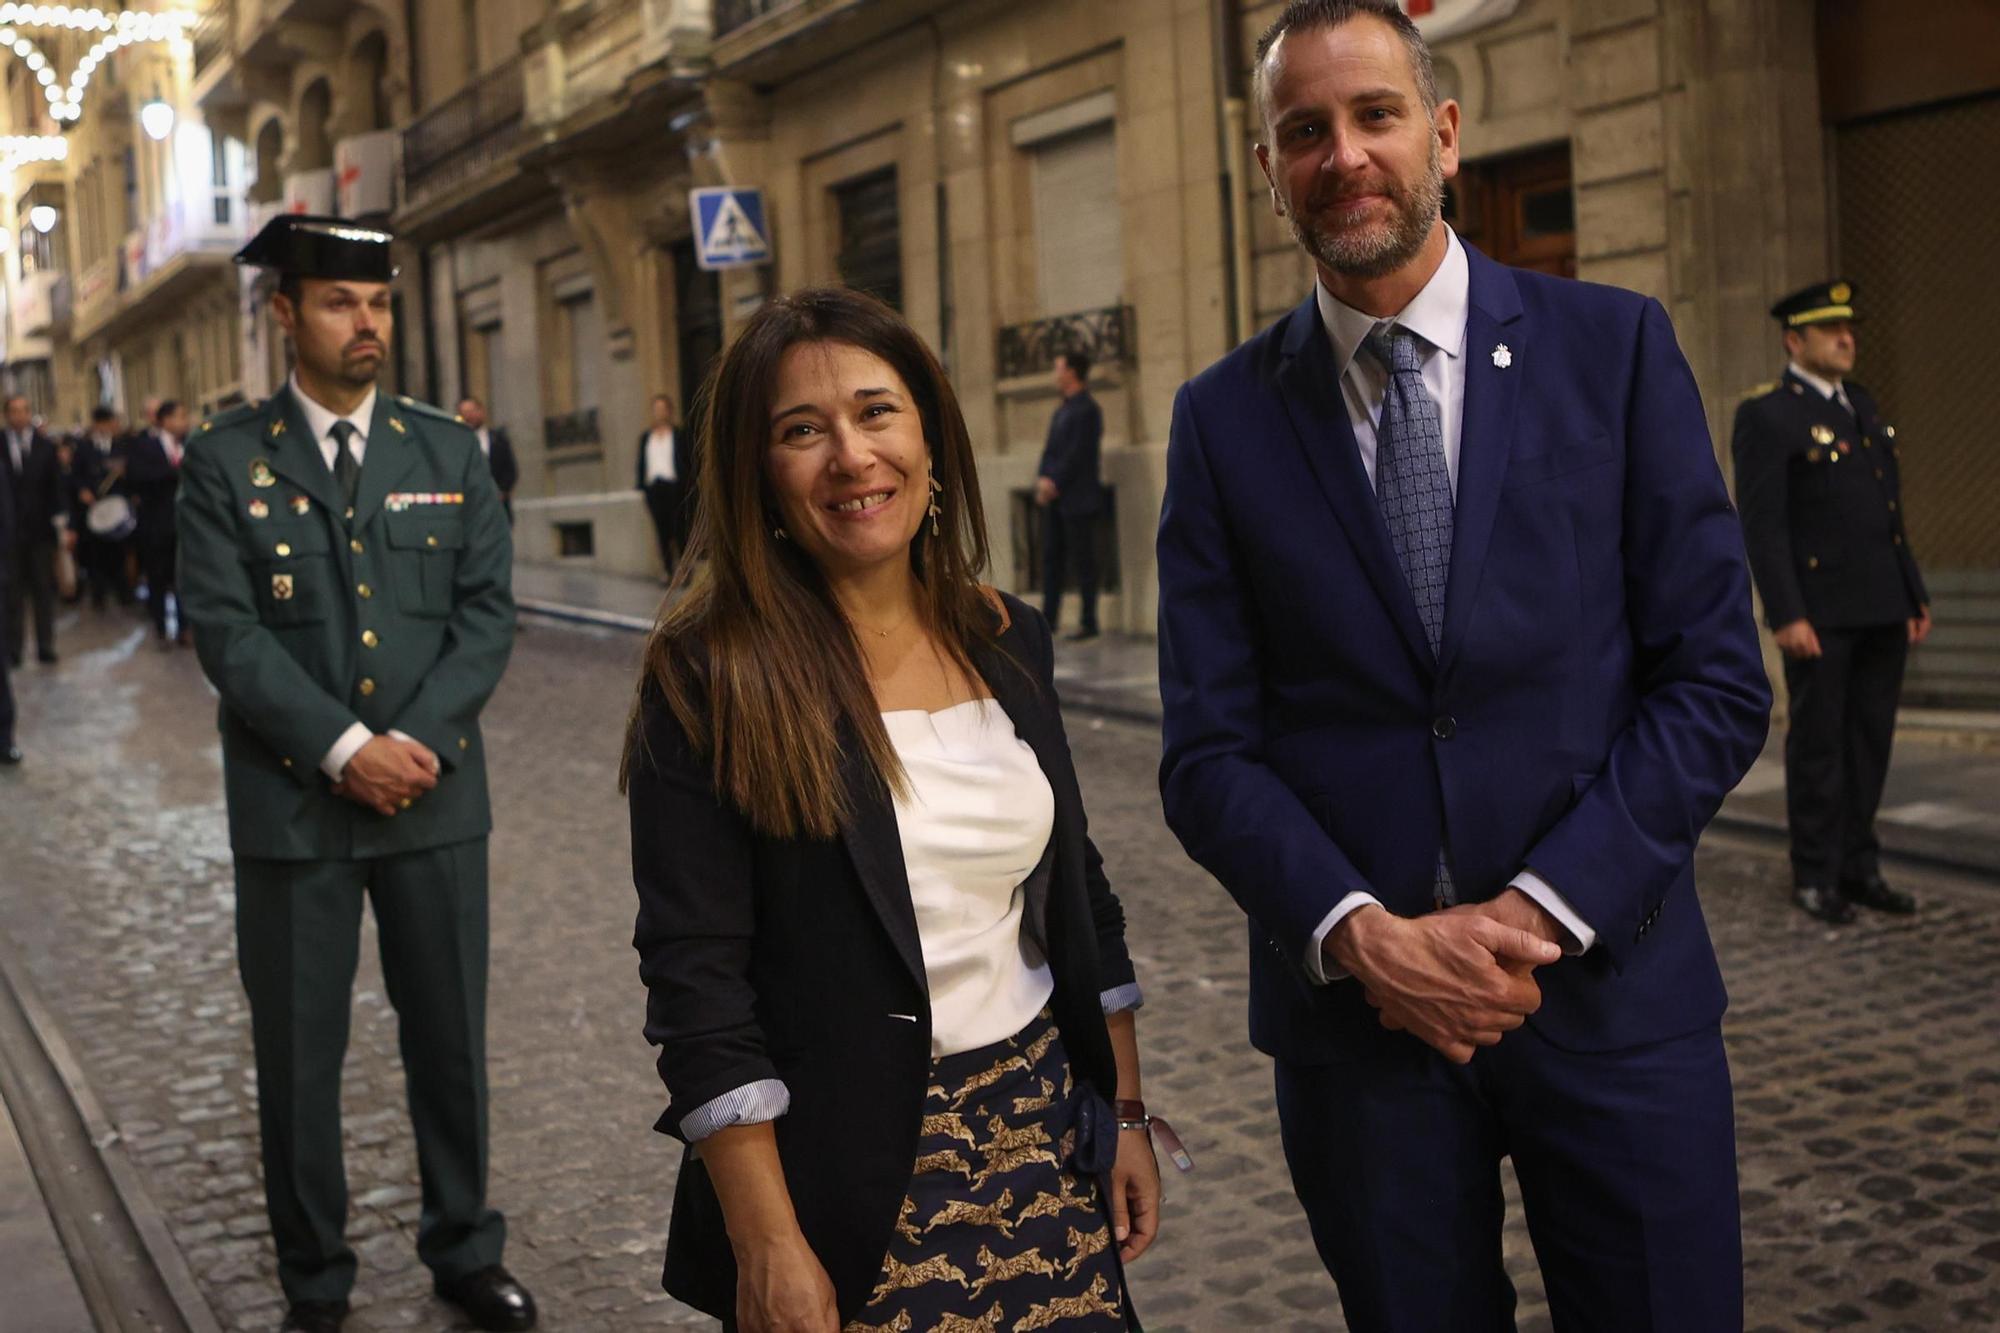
x=391, y=454
x=875, y=846
x=294, y=453
x=1309, y=384
x=1486, y=434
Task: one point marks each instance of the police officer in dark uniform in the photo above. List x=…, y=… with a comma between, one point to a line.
x=346, y=565
x=1823, y=520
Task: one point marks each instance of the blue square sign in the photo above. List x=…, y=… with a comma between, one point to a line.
x=729, y=227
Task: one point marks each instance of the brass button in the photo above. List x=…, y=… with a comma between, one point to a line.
x=464, y=744
x=365, y=591
x=1878, y=474
x=350, y=511
x=1892, y=506
x=355, y=546
x=1889, y=431
x=1812, y=562
x=287, y=763
x=367, y=685
x=368, y=639
x=430, y=541
x=1899, y=539
x=1867, y=443
x=284, y=548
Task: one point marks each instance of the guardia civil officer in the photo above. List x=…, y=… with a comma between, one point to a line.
x=346, y=565
x=1823, y=521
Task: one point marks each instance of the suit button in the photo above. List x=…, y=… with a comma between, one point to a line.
x=1892, y=506
x=284, y=548
x=355, y=546
x=1445, y=727
x=1878, y=474
x=464, y=744
x=364, y=590
x=287, y=763
x=1867, y=443
x=1812, y=562
x=367, y=685
x=369, y=638
x=1898, y=539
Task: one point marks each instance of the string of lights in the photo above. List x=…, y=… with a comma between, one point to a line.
x=119, y=28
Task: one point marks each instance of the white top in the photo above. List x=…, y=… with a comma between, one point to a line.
x=660, y=456
x=974, y=828
x=1834, y=390
x=1438, y=315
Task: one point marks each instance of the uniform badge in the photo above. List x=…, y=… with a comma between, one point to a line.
x=397, y=426
x=1814, y=454
x=1839, y=293
x=1502, y=358
x=277, y=429
x=258, y=509
x=301, y=506
x=281, y=587
x=1889, y=431
x=1844, y=447
x=261, y=474
x=1822, y=434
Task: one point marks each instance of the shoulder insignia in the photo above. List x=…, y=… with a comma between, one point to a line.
x=424, y=409
x=231, y=416
x=1758, y=391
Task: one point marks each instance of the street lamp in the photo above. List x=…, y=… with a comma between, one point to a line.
x=157, y=119
x=42, y=217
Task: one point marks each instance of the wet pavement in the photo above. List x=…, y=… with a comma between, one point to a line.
x=1867, y=1059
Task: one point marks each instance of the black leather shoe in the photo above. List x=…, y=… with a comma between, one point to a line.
x=1823, y=904
x=47, y=657
x=491, y=1299
x=1878, y=895
x=9, y=755
x=1081, y=636
x=315, y=1317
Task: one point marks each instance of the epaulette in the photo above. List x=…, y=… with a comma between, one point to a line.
x=1758, y=391
x=424, y=409
x=231, y=416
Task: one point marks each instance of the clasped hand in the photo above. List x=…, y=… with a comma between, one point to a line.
x=388, y=774
x=1457, y=979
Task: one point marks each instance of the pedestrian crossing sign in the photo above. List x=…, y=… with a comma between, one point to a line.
x=729, y=228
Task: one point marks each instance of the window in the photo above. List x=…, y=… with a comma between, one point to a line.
x=482, y=362
x=1079, y=233
x=871, y=237
x=583, y=325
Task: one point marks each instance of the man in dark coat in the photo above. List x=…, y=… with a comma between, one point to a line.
x=35, y=471
x=1070, y=494
x=153, y=476
x=9, y=755
x=97, y=471
x=347, y=569
x=1817, y=485
x=498, y=449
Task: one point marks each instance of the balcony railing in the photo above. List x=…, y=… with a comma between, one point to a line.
x=733, y=14
x=465, y=134
x=1106, y=336
x=578, y=427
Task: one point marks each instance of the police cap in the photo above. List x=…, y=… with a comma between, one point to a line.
x=1821, y=303
x=313, y=247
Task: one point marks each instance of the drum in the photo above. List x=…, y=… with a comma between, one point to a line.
x=111, y=519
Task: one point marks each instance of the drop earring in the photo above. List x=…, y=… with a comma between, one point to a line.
x=936, y=491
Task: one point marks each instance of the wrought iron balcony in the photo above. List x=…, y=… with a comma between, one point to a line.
x=1106, y=336
x=462, y=136
x=579, y=427
x=733, y=14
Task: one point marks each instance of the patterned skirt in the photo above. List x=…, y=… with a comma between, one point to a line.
x=998, y=1234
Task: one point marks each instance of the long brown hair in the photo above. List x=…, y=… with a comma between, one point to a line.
x=760, y=667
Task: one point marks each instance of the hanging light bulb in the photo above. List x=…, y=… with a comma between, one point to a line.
x=156, y=118
x=42, y=217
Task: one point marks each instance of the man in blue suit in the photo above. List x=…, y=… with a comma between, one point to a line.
x=1070, y=494
x=1458, y=660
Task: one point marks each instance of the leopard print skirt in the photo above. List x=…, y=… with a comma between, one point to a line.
x=997, y=1234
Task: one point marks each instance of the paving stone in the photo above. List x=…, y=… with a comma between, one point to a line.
x=1867, y=1060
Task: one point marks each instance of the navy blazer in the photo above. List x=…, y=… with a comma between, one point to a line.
x=1598, y=690
x=791, y=959
x=153, y=481
x=38, y=491
x=1074, y=454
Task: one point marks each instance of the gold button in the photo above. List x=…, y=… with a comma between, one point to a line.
x=368, y=639
x=367, y=685
x=350, y=511
x=367, y=592
x=284, y=548
x=1812, y=562
x=1892, y=506
x=1899, y=539
x=287, y=763
x=430, y=541
x=1878, y=474
x=355, y=546
x=464, y=744
x=1867, y=443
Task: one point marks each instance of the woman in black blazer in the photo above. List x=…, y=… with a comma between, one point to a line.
x=859, y=845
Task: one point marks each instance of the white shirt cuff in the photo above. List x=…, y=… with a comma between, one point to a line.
x=1316, y=965
x=751, y=1104
x=1580, y=933
x=1120, y=998
x=344, y=749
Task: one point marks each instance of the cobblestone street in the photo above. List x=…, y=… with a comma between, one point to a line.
x=1867, y=1060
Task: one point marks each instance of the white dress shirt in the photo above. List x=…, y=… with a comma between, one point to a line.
x=1833, y=390
x=17, y=448
x=320, y=421
x=485, y=434
x=660, y=456
x=1437, y=315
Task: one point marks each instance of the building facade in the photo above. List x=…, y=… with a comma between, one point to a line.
x=1016, y=176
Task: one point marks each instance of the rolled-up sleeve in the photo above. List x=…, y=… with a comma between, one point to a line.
x=692, y=866
x=751, y=1104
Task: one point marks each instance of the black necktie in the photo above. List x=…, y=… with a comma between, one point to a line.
x=346, y=470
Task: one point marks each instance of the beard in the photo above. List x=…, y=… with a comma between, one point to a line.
x=1373, y=251
x=348, y=366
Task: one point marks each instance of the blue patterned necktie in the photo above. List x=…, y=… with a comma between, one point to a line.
x=1413, y=487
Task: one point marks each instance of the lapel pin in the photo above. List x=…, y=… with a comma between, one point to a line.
x=258, y=509
x=301, y=506
x=396, y=426
x=1502, y=358
x=1822, y=434
x=277, y=429
x=261, y=474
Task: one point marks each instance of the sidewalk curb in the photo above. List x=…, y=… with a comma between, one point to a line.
x=1938, y=848
x=148, y=1221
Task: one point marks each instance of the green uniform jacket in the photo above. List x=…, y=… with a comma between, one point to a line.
x=307, y=621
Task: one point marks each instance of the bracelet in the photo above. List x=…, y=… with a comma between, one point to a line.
x=1131, y=1114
